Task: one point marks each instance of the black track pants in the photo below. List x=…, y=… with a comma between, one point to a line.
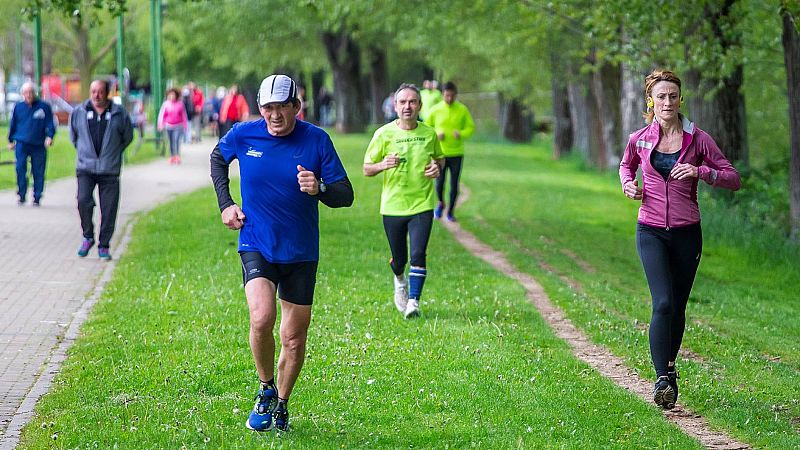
x=452, y=164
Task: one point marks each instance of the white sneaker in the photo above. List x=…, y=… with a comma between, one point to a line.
x=412, y=308
x=400, y=294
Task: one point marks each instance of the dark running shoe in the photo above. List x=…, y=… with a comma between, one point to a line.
x=673, y=381
x=260, y=418
x=663, y=393
x=86, y=245
x=104, y=253
x=437, y=212
x=281, y=416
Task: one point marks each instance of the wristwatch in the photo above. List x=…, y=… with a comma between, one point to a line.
x=322, y=187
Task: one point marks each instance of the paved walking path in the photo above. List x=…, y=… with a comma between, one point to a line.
x=46, y=290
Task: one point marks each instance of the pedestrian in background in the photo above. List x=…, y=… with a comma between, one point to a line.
x=173, y=118
x=30, y=132
x=100, y=130
x=234, y=109
x=198, y=101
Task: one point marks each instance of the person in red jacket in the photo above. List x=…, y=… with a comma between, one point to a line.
x=198, y=100
x=234, y=110
x=674, y=155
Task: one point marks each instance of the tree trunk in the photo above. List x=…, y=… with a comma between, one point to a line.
x=605, y=89
x=84, y=59
x=791, y=55
x=632, y=103
x=345, y=60
x=723, y=115
x=516, y=120
x=581, y=111
x=378, y=83
x=562, y=126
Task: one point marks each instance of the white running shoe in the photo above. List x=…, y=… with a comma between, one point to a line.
x=400, y=294
x=412, y=308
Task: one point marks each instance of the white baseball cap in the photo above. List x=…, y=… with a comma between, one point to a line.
x=277, y=89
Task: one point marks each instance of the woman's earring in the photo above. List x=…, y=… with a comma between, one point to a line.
x=681, y=100
x=650, y=102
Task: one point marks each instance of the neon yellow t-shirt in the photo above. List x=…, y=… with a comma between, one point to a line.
x=406, y=189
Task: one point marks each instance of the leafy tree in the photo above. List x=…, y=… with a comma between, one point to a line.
x=75, y=24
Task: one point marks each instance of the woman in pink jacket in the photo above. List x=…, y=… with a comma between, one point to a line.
x=173, y=118
x=674, y=155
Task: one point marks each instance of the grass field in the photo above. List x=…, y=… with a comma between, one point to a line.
x=61, y=158
x=163, y=361
x=743, y=331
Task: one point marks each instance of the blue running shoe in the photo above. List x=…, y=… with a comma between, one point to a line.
x=281, y=415
x=261, y=416
x=86, y=245
x=437, y=212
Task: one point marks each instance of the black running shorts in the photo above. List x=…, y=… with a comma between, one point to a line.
x=295, y=281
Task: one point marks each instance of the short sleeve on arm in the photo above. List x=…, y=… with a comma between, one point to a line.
x=375, y=149
x=227, y=145
x=332, y=169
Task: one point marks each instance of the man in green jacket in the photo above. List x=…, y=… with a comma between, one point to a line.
x=453, y=124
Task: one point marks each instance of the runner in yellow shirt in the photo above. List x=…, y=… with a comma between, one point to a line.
x=429, y=96
x=410, y=157
x=453, y=124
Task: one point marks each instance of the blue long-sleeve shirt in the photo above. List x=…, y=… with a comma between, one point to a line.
x=32, y=123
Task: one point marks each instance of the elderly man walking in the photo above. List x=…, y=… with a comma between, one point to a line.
x=30, y=132
x=100, y=131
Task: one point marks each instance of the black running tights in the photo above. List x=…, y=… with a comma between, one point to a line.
x=401, y=229
x=670, y=259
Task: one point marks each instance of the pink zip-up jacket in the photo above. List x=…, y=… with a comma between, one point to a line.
x=172, y=114
x=673, y=203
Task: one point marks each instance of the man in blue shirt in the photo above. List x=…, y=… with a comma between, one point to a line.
x=30, y=132
x=286, y=168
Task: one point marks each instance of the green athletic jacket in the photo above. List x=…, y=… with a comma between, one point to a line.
x=446, y=119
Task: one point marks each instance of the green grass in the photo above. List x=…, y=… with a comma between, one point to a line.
x=743, y=312
x=163, y=361
x=61, y=157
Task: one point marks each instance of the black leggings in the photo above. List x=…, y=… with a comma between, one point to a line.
x=670, y=259
x=418, y=230
x=453, y=164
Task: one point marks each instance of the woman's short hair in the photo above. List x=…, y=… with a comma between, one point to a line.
x=174, y=90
